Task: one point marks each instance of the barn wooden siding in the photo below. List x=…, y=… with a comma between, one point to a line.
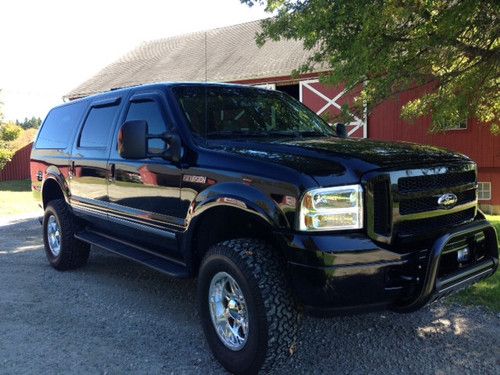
x=19, y=167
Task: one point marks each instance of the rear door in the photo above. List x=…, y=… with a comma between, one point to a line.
x=88, y=167
x=144, y=195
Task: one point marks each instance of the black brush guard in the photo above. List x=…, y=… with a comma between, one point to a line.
x=435, y=286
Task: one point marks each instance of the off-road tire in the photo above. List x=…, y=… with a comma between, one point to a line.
x=273, y=318
x=73, y=253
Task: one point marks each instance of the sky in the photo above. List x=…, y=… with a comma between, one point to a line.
x=49, y=47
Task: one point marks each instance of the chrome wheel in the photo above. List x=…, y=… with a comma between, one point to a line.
x=54, y=235
x=228, y=310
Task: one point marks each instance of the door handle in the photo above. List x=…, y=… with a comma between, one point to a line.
x=72, y=169
x=111, y=172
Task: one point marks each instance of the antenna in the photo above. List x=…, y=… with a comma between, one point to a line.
x=206, y=59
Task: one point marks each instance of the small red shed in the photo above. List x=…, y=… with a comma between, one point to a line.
x=19, y=166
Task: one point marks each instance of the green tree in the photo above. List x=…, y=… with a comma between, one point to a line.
x=449, y=47
x=5, y=157
x=9, y=132
x=1, y=112
x=32, y=123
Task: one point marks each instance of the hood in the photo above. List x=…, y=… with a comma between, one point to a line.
x=325, y=158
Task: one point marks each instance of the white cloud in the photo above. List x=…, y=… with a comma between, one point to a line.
x=48, y=47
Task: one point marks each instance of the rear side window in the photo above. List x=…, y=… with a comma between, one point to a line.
x=59, y=125
x=97, y=127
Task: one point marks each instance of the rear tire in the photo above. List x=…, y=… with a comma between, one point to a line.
x=63, y=250
x=271, y=317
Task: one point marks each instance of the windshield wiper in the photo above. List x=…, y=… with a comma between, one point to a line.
x=283, y=133
x=296, y=133
x=234, y=134
x=313, y=133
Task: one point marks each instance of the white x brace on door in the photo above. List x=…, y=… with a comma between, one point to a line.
x=357, y=128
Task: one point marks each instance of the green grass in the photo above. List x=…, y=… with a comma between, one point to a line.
x=487, y=292
x=16, y=198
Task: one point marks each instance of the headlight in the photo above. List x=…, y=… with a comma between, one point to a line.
x=333, y=208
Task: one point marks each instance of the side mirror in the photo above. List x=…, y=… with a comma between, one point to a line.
x=341, y=130
x=133, y=140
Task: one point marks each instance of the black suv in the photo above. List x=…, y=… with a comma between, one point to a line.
x=269, y=207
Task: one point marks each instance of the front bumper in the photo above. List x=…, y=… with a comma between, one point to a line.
x=349, y=272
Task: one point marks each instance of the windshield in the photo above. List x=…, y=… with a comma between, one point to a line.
x=215, y=112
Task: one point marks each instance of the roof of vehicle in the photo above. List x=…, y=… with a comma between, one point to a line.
x=231, y=54
x=159, y=85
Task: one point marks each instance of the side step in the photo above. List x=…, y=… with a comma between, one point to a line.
x=166, y=266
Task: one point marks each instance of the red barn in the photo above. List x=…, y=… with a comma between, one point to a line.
x=230, y=54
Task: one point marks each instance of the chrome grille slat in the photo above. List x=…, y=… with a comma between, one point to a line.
x=429, y=203
x=435, y=213
x=435, y=181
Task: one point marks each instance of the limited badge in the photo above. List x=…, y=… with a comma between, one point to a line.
x=194, y=179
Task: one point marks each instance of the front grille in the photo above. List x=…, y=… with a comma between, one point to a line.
x=402, y=205
x=429, y=225
x=382, y=206
x=417, y=205
x=435, y=182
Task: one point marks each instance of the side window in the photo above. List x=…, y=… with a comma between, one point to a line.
x=96, y=130
x=59, y=126
x=484, y=191
x=150, y=112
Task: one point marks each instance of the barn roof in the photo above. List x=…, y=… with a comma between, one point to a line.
x=231, y=55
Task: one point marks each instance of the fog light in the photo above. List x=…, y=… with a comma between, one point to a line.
x=463, y=255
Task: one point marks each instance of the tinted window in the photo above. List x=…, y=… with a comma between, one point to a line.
x=150, y=112
x=59, y=126
x=96, y=130
x=241, y=112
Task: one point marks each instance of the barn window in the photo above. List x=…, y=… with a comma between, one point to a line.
x=462, y=125
x=484, y=191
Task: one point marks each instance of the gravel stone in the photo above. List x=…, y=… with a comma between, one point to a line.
x=114, y=317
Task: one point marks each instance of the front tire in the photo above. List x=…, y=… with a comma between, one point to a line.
x=246, y=309
x=63, y=250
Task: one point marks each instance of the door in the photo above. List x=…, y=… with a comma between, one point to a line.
x=88, y=171
x=144, y=195
x=327, y=101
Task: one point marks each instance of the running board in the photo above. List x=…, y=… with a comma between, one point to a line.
x=162, y=264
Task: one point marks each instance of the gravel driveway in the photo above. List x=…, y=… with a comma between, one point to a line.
x=115, y=317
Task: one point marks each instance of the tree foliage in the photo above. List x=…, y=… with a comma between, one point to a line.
x=32, y=123
x=450, y=47
x=5, y=157
x=1, y=112
x=9, y=132
x=14, y=136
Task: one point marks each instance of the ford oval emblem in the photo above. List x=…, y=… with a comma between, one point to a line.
x=447, y=200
